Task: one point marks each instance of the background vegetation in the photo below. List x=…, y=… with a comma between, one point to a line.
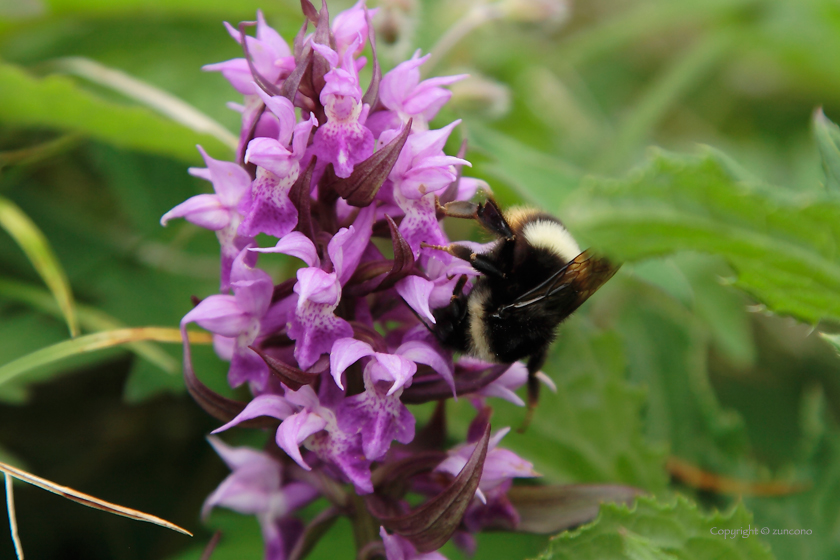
x=698, y=371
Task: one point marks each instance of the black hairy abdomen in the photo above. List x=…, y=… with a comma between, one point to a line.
x=516, y=333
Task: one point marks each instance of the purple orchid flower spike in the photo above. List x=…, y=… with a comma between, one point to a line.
x=269, y=54
x=218, y=212
x=257, y=487
x=343, y=141
x=336, y=355
x=406, y=97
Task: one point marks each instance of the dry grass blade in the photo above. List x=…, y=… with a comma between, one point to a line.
x=10, y=508
x=92, y=342
x=39, y=252
x=86, y=500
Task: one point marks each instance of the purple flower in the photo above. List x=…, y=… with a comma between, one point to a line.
x=421, y=170
x=500, y=466
x=257, y=487
x=398, y=548
x=343, y=141
x=350, y=24
x=309, y=422
x=241, y=317
x=377, y=415
x=270, y=210
x=218, y=212
x=269, y=53
x=407, y=97
x=503, y=388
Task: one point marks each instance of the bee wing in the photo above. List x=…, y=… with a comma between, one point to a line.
x=570, y=286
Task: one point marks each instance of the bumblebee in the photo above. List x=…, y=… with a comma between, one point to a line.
x=532, y=279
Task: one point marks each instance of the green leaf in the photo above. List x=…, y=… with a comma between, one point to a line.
x=782, y=246
x=58, y=102
x=650, y=530
x=816, y=511
x=832, y=339
x=535, y=176
x=591, y=429
x=40, y=254
x=195, y=7
x=827, y=135
x=164, y=103
x=666, y=348
x=91, y=343
x=90, y=319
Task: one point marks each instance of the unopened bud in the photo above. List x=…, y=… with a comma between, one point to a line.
x=481, y=95
x=395, y=20
x=551, y=12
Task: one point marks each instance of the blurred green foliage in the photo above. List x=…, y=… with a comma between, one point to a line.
x=702, y=348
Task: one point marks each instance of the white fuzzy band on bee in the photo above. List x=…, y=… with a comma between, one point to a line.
x=553, y=237
x=479, y=344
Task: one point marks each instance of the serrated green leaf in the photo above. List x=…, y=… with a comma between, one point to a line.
x=815, y=513
x=58, y=102
x=535, y=176
x=30, y=239
x=782, y=247
x=662, y=531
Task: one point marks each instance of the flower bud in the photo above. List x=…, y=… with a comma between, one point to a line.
x=551, y=12
x=482, y=96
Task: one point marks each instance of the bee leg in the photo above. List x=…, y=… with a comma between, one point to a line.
x=535, y=362
x=449, y=321
x=479, y=261
x=488, y=214
x=458, y=291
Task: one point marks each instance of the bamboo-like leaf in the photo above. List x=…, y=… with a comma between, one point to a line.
x=163, y=102
x=58, y=102
x=92, y=342
x=33, y=242
x=87, y=500
x=90, y=319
